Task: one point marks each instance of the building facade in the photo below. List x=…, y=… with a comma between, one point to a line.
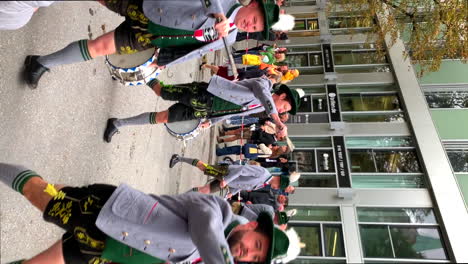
x=376, y=185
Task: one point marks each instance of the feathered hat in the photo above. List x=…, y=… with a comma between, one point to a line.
x=294, y=247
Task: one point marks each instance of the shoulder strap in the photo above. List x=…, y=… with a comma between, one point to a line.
x=234, y=7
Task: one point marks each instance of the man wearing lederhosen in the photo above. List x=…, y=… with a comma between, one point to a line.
x=108, y=224
x=193, y=25
x=217, y=100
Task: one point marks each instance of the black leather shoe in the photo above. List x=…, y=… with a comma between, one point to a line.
x=111, y=129
x=174, y=160
x=33, y=71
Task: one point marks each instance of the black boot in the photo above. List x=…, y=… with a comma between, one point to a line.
x=111, y=129
x=174, y=160
x=33, y=71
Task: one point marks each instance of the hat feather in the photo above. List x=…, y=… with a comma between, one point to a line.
x=291, y=212
x=294, y=176
x=285, y=23
x=300, y=92
x=294, y=246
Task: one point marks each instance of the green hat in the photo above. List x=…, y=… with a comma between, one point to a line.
x=271, y=16
x=282, y=218
x=284, y=181
x=294, y=95
x=279, y=241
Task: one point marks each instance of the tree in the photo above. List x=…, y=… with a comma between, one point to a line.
x=432, y=29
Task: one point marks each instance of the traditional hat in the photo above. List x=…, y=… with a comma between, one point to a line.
x=271, y=16
x=283, y=217
x=294, y=176
x=286, y=179
x=294, y=248
x=279, y=240
x=294, y=95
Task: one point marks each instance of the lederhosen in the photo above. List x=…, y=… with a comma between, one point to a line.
x=195, y=102
x=76, y=211
x=138, y=33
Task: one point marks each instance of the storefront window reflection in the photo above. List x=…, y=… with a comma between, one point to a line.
x=458, y=159
x=386, y=161
x=385, y=233
x=369, y=102
x=450, y=99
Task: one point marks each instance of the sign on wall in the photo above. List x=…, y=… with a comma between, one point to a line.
x=328, y=64
x=334, y=108
x=342, y=166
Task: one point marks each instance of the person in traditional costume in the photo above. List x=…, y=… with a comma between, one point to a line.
x=188, y=28
x=108, y=224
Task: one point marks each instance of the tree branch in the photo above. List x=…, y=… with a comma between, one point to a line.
x=405, y=12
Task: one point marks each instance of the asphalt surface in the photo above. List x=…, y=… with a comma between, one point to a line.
x=57, y=129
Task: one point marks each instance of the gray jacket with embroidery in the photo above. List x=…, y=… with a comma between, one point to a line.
x=244, y=93
x=190, y=15
x=246, y=177
x=178, y=228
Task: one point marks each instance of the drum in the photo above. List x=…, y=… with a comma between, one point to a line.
x=133, y=69
x=184, y=130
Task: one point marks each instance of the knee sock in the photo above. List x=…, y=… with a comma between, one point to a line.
x=148, y=118
x=190, y=161
x=15, y=176
x=75, y=52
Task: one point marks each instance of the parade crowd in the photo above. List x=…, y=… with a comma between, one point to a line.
x=241, y=215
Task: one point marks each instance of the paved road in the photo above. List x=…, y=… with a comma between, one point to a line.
x=57, y=129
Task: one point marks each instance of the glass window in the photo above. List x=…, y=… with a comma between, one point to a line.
x=310, y=236
x=300, y=260
x=298, y=60
x=369, y=102
x=316, y=213
x=333, y=239
x=348, y=22
x=387, y=161
x=397, y=239
x=317, y=180
x=396, y=215
x=417, y=242
x=458, y=159
x=376, y=241
x=299, y=24
x=382, y=241
x=356, y=68
x=350, y=57
x=388, y=180
x=306, y=104
x=311, y=142
x=306, y=118
x=366, y=117
x=306, y=24
x=447, y=99
x=305, y=160
x=299, y=3
x=309, y=48
x=373, y=142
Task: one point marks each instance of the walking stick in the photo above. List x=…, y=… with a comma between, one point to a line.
x=230, y=57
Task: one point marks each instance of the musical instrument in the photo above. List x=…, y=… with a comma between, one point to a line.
x=133, y=69
x=184, y=130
